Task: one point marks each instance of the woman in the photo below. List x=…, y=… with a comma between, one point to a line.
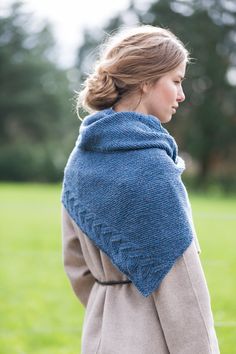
x=130, y=248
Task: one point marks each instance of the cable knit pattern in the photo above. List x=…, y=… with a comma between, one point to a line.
x=122, y=186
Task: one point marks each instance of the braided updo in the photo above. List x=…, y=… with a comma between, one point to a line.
x=128, y=59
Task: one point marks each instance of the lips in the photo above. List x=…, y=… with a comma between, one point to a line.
x=175, y=108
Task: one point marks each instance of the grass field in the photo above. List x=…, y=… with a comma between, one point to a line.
x=39, y=313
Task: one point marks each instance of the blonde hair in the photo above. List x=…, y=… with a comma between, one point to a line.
x=128, y=59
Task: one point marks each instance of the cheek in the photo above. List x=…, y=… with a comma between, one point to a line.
x=170, y=91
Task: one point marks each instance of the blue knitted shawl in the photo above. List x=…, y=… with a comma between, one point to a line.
x=122, y=186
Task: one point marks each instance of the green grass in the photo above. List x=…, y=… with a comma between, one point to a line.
x=39, y=313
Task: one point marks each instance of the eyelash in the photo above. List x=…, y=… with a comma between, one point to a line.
x=179, y=82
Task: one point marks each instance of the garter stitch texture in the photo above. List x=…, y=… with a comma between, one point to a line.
x=122, y=186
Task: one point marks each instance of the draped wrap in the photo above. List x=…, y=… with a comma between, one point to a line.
x=122, y=186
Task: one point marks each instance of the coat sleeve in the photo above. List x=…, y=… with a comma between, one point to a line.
x=184, y=309
x=75, y=266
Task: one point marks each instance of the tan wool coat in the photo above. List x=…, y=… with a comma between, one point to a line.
x=176, y=318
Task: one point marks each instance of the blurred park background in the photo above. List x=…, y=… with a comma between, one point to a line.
x=38, y=129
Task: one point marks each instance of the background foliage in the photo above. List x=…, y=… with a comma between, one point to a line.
x=38, y=126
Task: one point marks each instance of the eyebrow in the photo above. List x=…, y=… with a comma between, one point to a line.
x=181, y=77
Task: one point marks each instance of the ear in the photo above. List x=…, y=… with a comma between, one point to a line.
x=145, y=87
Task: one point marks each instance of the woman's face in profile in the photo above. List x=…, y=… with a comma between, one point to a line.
x=163, y=97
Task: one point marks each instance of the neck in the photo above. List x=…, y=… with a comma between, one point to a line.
x=131, y=104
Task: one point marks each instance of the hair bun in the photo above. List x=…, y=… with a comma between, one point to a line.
x=101, y=91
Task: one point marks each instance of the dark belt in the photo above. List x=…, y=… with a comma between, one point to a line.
x=113, y=282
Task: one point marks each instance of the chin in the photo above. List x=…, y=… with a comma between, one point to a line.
x=166, y=119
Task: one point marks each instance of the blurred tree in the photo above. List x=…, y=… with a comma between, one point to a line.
x=34, y=102
x=205, y=124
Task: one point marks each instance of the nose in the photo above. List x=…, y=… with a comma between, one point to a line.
x=181, y=95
